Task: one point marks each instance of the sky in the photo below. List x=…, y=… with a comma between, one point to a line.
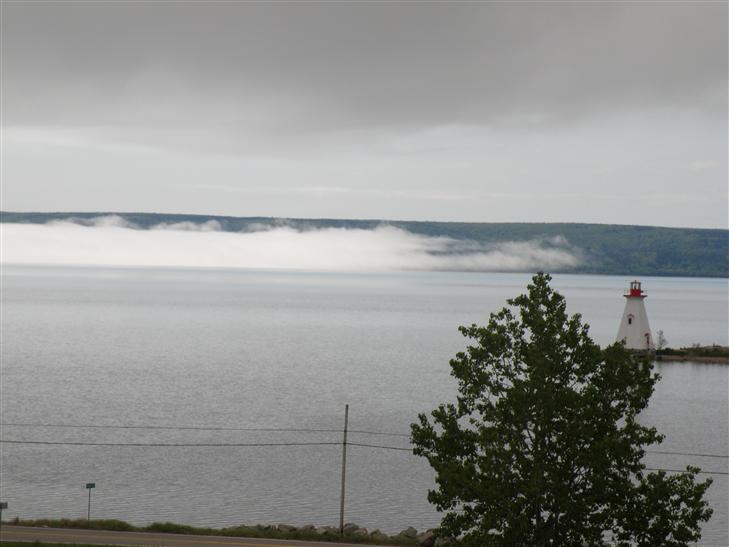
x=483, y=112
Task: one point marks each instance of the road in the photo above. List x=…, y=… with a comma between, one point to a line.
x=104, y=537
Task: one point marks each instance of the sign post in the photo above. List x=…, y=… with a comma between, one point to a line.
x=89, y=486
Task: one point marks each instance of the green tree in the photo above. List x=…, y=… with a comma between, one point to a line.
x=543, y=446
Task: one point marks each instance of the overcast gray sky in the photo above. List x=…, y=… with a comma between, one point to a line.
x=579, y=112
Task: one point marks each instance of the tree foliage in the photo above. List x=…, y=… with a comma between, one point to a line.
x=544, y=446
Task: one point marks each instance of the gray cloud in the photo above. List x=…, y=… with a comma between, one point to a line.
x=111, y=241
x=491, y=111
x=307, y=66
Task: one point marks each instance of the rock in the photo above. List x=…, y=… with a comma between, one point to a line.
x=442, y=542
x=308, y=528
x=286, y=528
x=377, y=535
x=350, y=528
x=426, y=539
x=409, y=532
x=361, y=532
x=327, y=530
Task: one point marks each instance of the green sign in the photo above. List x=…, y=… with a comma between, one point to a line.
x=90, y=485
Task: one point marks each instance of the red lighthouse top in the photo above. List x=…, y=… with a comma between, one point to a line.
x=635, y=290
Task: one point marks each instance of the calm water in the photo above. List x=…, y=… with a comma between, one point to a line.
x=286, y=350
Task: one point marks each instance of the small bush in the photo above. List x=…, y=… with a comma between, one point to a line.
x=173, y=528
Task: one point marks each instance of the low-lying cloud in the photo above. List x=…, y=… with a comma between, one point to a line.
x=113, y=241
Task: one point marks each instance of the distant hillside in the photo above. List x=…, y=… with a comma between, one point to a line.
x=605, y=248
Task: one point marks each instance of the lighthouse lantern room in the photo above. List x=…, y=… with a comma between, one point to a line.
x=634, y=330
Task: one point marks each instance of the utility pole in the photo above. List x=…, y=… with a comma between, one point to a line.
x=344, y=469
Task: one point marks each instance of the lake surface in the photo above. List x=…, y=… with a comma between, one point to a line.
x=254, y=349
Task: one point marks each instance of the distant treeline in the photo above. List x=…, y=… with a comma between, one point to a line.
x=604, y=248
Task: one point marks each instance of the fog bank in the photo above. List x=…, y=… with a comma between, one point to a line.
x=112, y=241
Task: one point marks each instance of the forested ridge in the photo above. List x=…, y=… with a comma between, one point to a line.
x=603, y=248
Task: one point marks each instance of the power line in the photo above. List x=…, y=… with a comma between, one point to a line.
x=241, y=445
x=381, y=446
x=684, y=471
x=686, y=454
x=174, y=427
x=205, y=428
x=288, y=430
x=205, y=445
x=380, y=433
x=83, y=443
x=647, y=468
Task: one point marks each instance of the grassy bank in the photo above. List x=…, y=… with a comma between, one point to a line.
x=697, y=354
x=353, y=534
x=39, y=544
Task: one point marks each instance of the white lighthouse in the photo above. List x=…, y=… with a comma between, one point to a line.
x=634, y=330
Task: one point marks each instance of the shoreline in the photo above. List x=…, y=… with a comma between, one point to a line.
x=713, y=360
x=713, y=354
x=351, y=533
